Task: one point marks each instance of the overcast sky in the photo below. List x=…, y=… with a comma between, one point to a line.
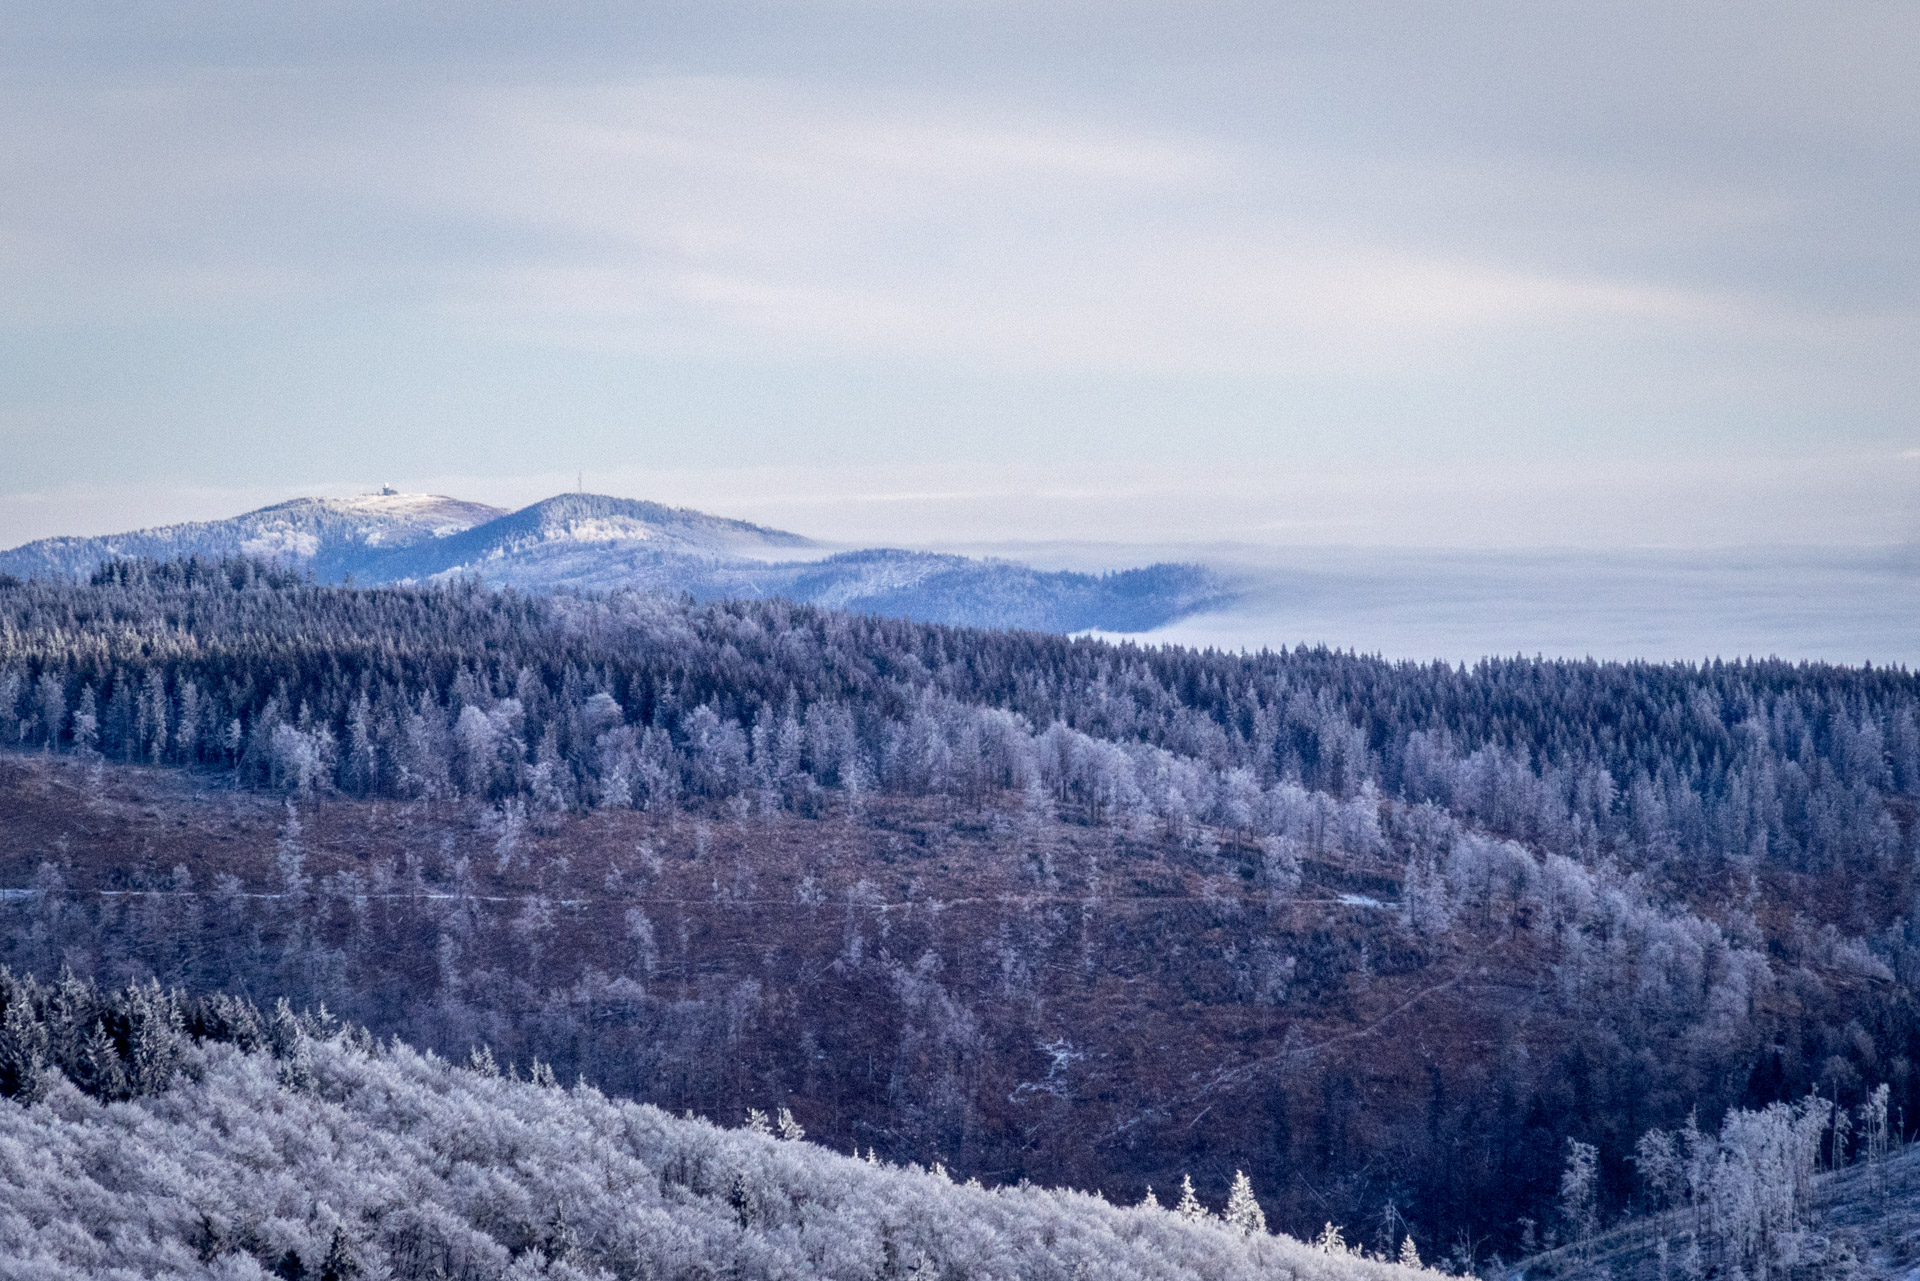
x=1432, y=274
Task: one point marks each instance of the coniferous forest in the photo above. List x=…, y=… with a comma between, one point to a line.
x=1483, y=958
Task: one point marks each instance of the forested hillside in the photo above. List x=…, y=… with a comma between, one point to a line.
x=567, y=702
x=1384, y=936
x=198, y=1139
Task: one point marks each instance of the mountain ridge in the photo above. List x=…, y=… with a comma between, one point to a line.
x=320, y=534
x=596, y=542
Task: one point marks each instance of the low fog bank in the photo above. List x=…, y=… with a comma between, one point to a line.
x=1840, y=605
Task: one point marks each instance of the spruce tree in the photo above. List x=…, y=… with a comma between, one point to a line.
x=1243, y=1209
x=99, y=1070
x=23, y=1046
x=1189, y=1207
x=86, y=723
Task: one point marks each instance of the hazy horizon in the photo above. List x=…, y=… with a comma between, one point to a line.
x=1671, y=506
x=1837, y=604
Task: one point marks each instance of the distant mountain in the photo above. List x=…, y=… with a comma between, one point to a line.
x=590, y=541
x=598, y=543
x=332, y=537
x=997, y=593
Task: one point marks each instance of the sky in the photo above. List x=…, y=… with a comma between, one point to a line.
x=1493, y=275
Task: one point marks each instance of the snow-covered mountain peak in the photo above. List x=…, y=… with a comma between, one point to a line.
x=330, y=536
x=598, y=518
x=599, y=543
x=390, y=518
x=392, y=502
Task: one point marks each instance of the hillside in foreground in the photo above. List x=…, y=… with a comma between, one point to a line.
x=326, y=1156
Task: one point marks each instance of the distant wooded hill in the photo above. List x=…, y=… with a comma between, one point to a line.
x=592, y=542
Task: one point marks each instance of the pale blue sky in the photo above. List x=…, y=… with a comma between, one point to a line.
x=1465, y=274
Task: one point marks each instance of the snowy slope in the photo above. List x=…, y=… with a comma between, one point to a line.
x=589, y=541
x=335, y=1161
x=331, y=536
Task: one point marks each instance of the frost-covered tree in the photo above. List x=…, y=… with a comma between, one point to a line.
x=86, y=722
x=1749, y=1187
x=52, y=708
x=1579, y=1208
x=1662, y=1169
x=1189, y=1207
x=1873, y=1124
x=1243, y=1211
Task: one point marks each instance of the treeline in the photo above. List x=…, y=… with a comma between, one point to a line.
x=563, y=703
x=115, y=1044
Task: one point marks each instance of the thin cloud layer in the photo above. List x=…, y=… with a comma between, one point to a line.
x=833, y=234
x=719, y=217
